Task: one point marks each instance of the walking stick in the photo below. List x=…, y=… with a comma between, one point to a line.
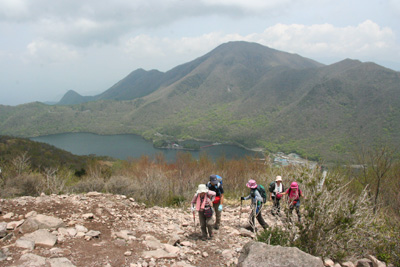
x=194, y=220
x=240, y=213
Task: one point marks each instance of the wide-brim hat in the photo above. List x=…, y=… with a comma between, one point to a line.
x=278, y=178
x=202, y=189
x=251, y=184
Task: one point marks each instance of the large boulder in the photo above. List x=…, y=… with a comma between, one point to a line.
x=41, y=237
x=256, y=254
x=41, y=221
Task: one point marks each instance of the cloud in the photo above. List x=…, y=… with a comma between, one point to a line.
x=13, y=10
x=361, y=41
x=88, y=22
x=44, y=52
x=366, y=41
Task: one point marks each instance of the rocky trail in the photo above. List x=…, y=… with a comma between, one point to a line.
x=96, y=229
x=112, y=230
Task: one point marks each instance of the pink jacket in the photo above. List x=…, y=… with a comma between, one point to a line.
x=208, y=200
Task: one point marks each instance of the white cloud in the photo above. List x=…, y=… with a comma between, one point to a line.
x=366, y=41
x=44, y=52
x=248, y=5
x=13, y=9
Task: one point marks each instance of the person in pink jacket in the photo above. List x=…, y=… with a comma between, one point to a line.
x=294, y=193
x=203, y=202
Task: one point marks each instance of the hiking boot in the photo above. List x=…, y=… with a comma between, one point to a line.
x=210, y=237
x=216, y=227
x=204, y=238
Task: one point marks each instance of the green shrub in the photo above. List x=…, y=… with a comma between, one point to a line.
x=274, y=236
x=176, y=200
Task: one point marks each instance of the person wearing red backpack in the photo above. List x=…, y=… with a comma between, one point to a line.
x=202, y=202
x=215, y=185
x=276, y=189
x=294, y=194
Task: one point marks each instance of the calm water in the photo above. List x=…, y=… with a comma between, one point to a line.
x=126, y=146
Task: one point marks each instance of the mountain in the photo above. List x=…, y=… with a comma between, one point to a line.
x=72, y=98
x=242, y=93
x=254, y=58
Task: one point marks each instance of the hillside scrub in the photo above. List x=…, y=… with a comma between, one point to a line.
x=338, y=221
x=336, y=224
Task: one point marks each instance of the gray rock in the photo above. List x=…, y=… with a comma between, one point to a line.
x=125, y=234
x=3, y=255
x=60, y=262
x=158, y=254
x=260, y=254
x=174, y=239
x=363, y=263
x=31, y=260
x=348, y=264
x=376, y=262
x=29, y=226
x=41, y=237
x=3, y=229
x=24, y=243
x=81, y=228
x=93, y=233
x=247, y=233
x=153, y=244
x=41, y=221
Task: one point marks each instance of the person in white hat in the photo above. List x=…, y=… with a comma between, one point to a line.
x=203, y=202
x=276, y=189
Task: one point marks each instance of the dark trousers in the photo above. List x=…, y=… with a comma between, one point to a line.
x=277, y=204
x=297, y=207
x=205, y=224
x=217, y=214
x=256, y=212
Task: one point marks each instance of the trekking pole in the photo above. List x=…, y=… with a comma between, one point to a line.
x=240, y=212
x=252, y=220
x=194, y=220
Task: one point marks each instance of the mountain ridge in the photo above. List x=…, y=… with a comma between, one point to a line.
x=241, y=93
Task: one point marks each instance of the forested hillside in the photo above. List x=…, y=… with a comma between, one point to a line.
x=242, y=93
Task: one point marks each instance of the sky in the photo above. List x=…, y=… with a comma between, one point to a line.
x=48, y=47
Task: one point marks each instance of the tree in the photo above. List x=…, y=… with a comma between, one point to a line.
x=376, y=163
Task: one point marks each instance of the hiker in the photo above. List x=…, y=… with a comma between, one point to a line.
x=256, y=204
x=215, y=185
x=294, y=194
x=202, y=202
x=276, y=189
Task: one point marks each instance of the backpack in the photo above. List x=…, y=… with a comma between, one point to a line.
x=271, y=187
x=299, y=192
x=262, y=192
x=208, y=212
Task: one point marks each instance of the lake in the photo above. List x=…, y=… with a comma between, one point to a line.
x=126, y=146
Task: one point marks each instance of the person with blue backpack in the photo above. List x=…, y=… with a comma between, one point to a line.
x=215, y=184
x=258, y=198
